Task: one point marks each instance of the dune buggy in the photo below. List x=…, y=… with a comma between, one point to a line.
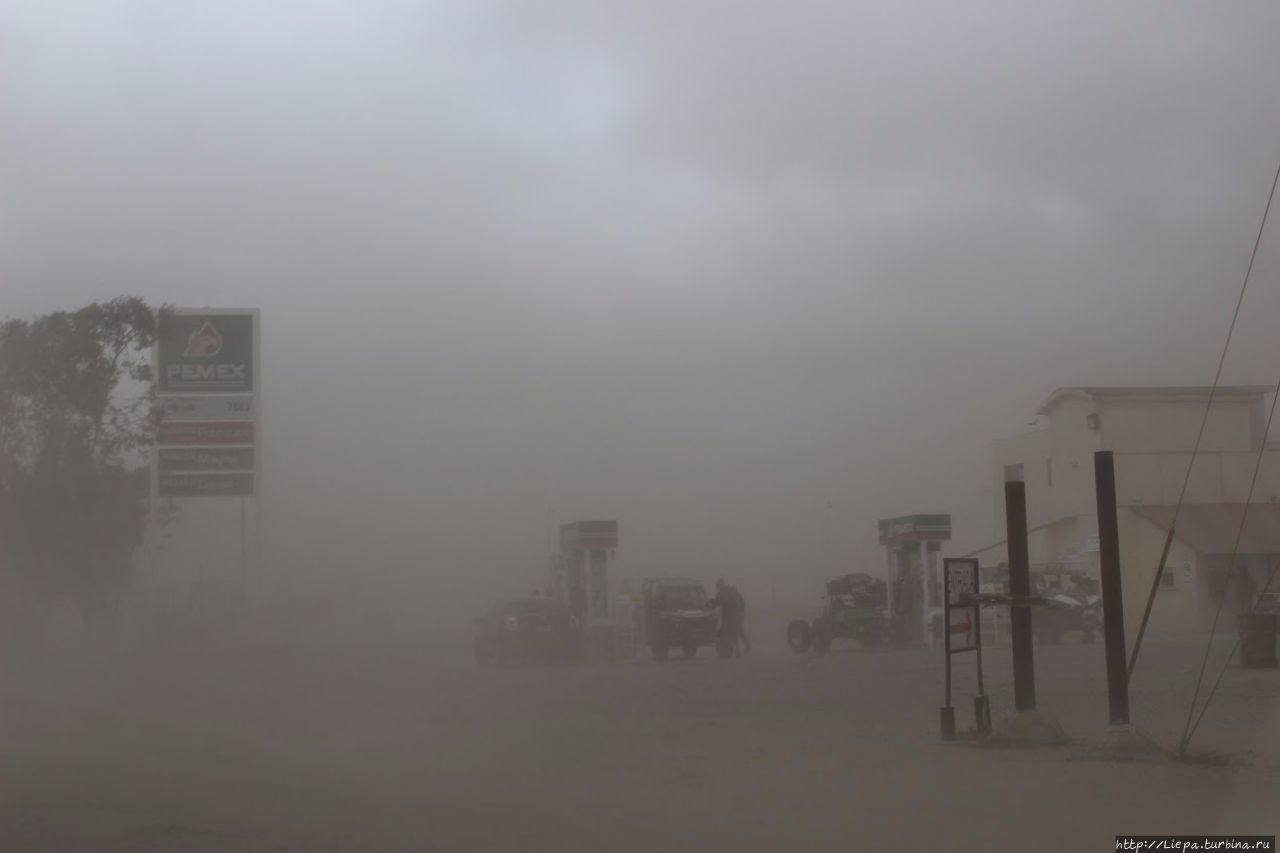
x=855, y=610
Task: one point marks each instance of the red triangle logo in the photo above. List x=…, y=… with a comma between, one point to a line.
x=204, y=342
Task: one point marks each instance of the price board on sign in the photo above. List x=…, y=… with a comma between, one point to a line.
x=960, y=578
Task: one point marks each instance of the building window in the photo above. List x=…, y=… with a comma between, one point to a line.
x=1048, y=472
x=1013, y=473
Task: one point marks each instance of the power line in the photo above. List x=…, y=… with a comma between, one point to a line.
x=1195, y=449
x=1227, y=663
x=1187, y=729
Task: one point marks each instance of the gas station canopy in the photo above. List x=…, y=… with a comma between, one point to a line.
x=915, y=528
x=589, y=535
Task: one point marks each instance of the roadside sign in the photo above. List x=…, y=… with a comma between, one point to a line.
x=961, y=625
x=206, y=351
x=960, y=579
x=205, y=432
x=205, y=459
x=239, y=484
x=222, y=407
x=962, y=617
x=206, y=368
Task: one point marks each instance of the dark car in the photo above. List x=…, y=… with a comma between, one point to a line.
x=529, y=630
x=676, y=616
x=1063, y=613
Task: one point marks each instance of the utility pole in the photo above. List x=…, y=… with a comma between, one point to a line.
x=1104, y=476
x=1024, y=667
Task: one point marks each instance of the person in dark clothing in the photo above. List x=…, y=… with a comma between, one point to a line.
x=733, y=609
x=740, y=607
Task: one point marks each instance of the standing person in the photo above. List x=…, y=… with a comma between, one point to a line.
x=730, y=603
x=740, y=616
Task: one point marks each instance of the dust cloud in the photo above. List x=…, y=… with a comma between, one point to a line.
x=745, y=278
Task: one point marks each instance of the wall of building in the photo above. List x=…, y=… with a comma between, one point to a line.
x=1151, y=439
x=1029, y=450
x=1153, y=425
x=1058, y=473
x=1156, y=478
x=1177, y=607
x=1072, y=495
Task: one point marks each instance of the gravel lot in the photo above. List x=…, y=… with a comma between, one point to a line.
x=234, y=746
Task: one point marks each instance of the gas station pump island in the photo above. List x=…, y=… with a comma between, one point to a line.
x=580, y=577
x=912, y=544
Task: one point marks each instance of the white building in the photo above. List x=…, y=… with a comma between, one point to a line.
x=1151, y=432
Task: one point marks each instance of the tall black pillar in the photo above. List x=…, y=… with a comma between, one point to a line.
x=1104, y=478
x=1024, y=667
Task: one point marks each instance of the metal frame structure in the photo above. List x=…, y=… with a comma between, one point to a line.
x=960, y=583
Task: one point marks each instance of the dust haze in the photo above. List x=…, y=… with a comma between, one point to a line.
x=745, y=277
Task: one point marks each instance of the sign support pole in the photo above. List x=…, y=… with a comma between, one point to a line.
x=981, y=705
x=947, y=713
x=153, y=501
x=244, y=546
x=260, y=442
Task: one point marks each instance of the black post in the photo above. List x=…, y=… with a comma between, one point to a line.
x=947, y=714
x=244, y=546
x=1104, y=477
x=1024, y=665
x=946, y=645
x=947, y=719
x=981, y=705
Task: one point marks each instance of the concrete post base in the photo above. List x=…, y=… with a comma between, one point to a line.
x=1030, y=728
x=1121, y=743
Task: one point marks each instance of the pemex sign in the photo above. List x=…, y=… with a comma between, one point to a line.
x=206, y=363
x=206, y=352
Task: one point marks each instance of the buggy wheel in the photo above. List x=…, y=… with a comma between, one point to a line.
x=821, y=637
x=799, y=636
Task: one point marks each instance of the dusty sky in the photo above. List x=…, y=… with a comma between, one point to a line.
x=705, y=267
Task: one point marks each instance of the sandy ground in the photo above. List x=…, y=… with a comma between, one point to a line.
x=234, y=746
